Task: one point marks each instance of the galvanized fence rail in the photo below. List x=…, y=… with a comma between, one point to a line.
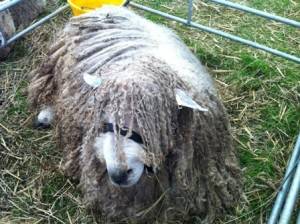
x=290, y=187
x=288, y=191
x=250, y=43
x=188, y=21
x=35, y=25
x=10, y=3
x=7, y=4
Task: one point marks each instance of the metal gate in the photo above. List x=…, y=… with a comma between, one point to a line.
x=290, y=187
x=187, y=21
x=9, y=3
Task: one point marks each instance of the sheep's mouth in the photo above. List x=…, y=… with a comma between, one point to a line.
x=148, y=169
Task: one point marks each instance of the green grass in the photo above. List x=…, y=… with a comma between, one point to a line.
x=261, y=93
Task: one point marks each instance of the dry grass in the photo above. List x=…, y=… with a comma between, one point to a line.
x=260, y=91
x=32, y=188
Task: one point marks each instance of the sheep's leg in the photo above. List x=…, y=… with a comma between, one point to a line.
x=44, y=118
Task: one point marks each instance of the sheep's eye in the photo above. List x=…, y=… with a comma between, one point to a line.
x=129, y=171
x=149, y=169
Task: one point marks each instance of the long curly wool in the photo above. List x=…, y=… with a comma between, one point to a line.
x=197, y=171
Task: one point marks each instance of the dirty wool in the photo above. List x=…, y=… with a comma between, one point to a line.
x=140, y=64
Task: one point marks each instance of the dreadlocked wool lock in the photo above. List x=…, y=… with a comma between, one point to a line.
x=138, y=119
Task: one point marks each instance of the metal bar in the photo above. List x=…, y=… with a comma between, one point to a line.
x=37, y=24
x=2, y=39
x=220, y=33
x=281, y=196
x=298, y=219
x=7, y=4
x=190, y=11
x=292, y=195
x=258, y=12
x=125, y=4
x=163, y=14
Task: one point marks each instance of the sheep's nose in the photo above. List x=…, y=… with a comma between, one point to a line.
x=40, y=125
x=120, y=177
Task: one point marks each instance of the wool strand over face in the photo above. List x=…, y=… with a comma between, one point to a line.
x=146, y=103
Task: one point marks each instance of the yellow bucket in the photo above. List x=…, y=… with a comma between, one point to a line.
x=83, y=6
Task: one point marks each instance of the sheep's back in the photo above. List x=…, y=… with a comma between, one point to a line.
x=116, y=36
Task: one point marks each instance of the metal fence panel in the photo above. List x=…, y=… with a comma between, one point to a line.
x=235, y=38
x=7, y=4
x=188, y=21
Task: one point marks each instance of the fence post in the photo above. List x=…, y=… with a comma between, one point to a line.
x=190, y=12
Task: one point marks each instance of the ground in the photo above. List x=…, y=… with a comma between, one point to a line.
x=261, y=93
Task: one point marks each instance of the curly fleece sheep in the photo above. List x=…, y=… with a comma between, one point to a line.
x=116, y=86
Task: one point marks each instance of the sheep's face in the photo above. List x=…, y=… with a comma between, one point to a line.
x=124, y=158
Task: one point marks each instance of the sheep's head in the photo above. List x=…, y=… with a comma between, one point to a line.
x=136, y=111
x=123, y=155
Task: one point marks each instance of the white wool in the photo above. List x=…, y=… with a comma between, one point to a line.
x=162, y=43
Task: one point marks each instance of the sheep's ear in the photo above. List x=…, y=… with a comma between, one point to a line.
x=183, y=99
x=91, y=80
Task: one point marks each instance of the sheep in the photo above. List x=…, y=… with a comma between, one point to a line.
x=139, y=120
